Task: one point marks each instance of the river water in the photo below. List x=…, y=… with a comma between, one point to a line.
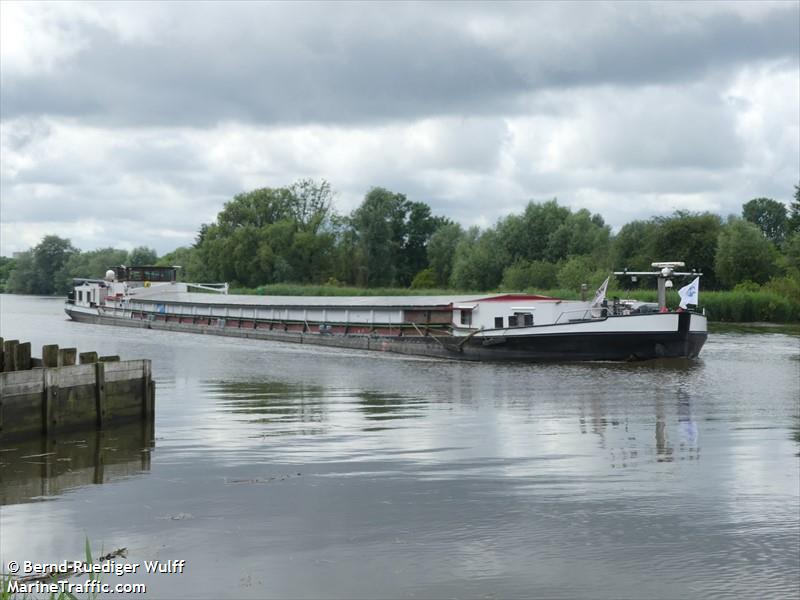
x=279, y=470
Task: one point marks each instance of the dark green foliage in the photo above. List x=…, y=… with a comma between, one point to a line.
x=425, y=279
x=524, y=274
x=578, y=270
x=747, y=307
x=770, y=217
x=268, y=235
x=551, y=232
x=793, y=221
x=92, y=264
x=37, y=271
x=633, y=246
x=690, y=238
x=188, y=260
x=392, y=234
x=744, y=254
x=442, y=251
x=141, y=256
x=21, y=279
x=6, y=266
x=379, y=227
x=479, y=261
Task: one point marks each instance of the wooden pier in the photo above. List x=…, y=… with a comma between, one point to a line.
x=42, y=396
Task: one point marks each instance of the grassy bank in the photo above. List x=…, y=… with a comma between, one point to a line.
x=785, y=328
x=724, y=306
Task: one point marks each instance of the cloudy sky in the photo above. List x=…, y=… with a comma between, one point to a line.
x=132, y=123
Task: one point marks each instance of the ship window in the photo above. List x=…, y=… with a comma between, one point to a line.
x=528, y=319
x=512, y=321
x=80, y=296
x=466, y=317
x=498, y=322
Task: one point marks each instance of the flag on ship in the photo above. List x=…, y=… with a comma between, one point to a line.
x=689, y=293
x=600, y=294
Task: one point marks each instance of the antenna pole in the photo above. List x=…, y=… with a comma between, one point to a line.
x=662, y=291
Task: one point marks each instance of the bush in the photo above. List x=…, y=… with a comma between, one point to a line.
x=536, y=274
x=748, y=306
x=425, y=279
x=578, y=270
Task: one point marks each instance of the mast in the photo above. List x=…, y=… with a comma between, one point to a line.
x=666, y=271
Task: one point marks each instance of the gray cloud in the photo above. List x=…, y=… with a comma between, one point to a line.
x=125, y=123
x=281, y=63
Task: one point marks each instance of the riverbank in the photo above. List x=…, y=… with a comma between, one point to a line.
x=757, y=327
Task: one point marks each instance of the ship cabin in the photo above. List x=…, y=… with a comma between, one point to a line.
x=91, y=293
x=509, y=311
x=144, y=275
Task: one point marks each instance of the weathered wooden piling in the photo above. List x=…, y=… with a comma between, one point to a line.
x=67, y=357
x=23, y=357
x=64, y=396
x=86, y=358
x=50, y=355
x=9, y=355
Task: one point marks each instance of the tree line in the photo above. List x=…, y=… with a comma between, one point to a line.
x=293, y=234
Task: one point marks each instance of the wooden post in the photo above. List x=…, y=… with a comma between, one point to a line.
x=9, y=355
x=1, y=398
x=87, y=357
x=100, y=392
x=23, y=358
x=50, y=355
x=147, y=390
x=49, y=399
x=67, y=356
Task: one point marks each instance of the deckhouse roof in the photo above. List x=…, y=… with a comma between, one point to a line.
x=360, y=302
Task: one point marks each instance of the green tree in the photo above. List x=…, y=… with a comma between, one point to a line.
x=793, y=222
x=528, y=236
x=632, y=247
x=442, y=250
x=425, y=279
x=479, y=261
x=691, y=238
x=310, y=204
x=744, y=254
x=580, y=234
x=378, y=224
x=770, y=217
x=22, y=279
x=142, y=256
x=93, y=263
x=578, y=270
x=269, y=235
x=525, y=274
x=49, y=257
x=393, y=234
x=7, y=265
x=188, y=259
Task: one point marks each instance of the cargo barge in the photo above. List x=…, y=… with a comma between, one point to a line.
x=502, y=327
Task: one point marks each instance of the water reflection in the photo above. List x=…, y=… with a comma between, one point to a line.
x=45, y=467
x=388, y=407
x=277, y=404
x=674, y=434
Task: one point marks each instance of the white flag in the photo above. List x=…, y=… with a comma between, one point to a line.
x=600, y=294
x=689, y=294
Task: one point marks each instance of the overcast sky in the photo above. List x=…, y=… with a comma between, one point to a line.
x=132, y=123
